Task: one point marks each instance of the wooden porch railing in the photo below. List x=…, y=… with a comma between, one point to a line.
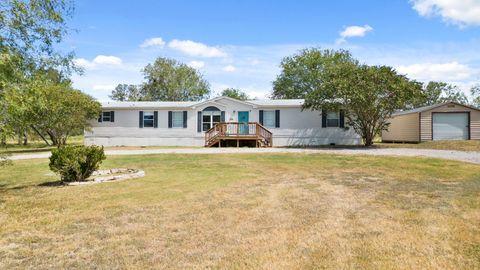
x=238, y=130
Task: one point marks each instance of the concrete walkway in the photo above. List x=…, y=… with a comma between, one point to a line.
x=472, y=157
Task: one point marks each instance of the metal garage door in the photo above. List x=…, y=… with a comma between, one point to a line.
x=450, y=126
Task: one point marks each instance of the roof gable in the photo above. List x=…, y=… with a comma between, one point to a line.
x=217, y=99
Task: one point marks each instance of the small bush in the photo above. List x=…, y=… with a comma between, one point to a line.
x=4, y=161
x=76, y=163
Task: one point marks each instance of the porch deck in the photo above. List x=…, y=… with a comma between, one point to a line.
x=236, y=132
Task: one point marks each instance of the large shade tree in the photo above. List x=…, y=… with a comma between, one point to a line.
x=435, y=92
x=51, y=107
x=331, y=80
x=29, y=30
x=166, y=80
x=126, y=92
x=234, y=93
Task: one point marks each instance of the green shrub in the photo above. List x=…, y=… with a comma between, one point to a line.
x=76, y=163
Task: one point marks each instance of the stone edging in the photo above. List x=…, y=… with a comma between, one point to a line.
x=107, y=176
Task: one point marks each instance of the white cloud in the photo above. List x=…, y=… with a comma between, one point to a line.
x=153, y=42
x=103, y=87
x=460, y=12
x=83, y=63
x=196, y=49
x=99, y=60
x=196, y=64
x=229, y=68
x=353, y=31
x=452, y=71
x=356, y=31
x=107, y=60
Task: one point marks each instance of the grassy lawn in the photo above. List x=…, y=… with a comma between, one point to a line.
x=245, y=211
x=36, y=146
x=473, y=145
x=39, y=146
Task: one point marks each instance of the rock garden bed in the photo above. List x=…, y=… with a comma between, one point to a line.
x=110, y=175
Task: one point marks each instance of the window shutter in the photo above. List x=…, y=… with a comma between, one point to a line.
x=260, y=117
x=100, y=117
x=112, y=116
x=169, y=119
x=140, y=119
x=185, y=116
x=222, y=116
x=324, y=118
x=199, y=121
x=277, y=118
x=155, y=119
x=342, y=118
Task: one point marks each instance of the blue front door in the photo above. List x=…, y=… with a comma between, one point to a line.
x=243, y=122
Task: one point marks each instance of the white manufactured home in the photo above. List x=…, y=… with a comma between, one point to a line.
x=221, y=121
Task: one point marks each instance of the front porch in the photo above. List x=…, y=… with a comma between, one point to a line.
x=238, y=134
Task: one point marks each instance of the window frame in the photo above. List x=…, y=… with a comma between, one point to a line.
x=211, y=115
x=181, y=117
x=109, y=116
x=273, y=124
x=337, y=114
x=148, y=113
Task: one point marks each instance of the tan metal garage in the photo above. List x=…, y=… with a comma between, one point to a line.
x=447, y=121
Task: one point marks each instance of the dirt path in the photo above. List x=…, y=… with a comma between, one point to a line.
x=472, y=157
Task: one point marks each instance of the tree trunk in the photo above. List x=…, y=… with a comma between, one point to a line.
x=63, y=141
x=53, y=138
x=40, y=134
x=3, y=138
x=19, y=138
x=25, y=138
x=368, y=138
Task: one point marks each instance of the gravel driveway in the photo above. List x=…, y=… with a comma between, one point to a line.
x=472, y=157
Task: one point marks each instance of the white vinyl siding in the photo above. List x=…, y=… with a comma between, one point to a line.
x=297, y=127
x=269, y=119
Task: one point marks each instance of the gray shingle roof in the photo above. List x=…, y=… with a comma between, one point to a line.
x=187, y=104
x=278, y=102
x=147, y=104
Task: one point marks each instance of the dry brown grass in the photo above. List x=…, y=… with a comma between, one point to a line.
x=471, y=145
x=247, y=212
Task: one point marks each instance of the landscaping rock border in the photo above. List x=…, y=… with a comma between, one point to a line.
x=101, y=176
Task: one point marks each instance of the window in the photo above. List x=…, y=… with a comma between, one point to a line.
x=147, y=119
x=333, y=119
x=269, y=119
x=106, y=116
x=177, y=119
x=210, y=119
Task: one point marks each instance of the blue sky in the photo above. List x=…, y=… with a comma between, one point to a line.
x=241, y=43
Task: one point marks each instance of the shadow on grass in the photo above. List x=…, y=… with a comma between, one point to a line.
x=354, y=147
x=56, y=183
x=35, y=150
